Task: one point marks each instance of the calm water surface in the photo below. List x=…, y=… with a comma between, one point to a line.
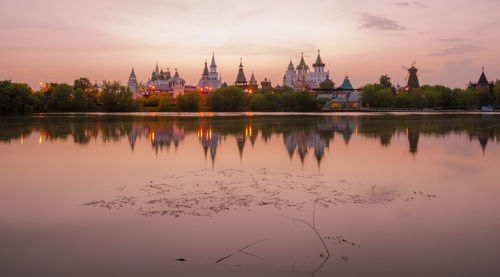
x=250, y=195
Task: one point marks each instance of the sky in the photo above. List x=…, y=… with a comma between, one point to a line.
x=59, y=41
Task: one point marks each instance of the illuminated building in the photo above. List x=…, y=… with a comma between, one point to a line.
x=303, y=76
x=210, y=79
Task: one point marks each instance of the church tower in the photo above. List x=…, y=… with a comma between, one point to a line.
x=210, y=79
x=290, y=76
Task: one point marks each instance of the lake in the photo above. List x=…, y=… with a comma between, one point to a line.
x=250, y=194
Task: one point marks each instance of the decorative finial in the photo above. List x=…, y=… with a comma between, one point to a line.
x=483, y=69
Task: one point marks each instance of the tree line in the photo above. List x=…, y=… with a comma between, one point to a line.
x=82, y=96
x=111, y=96
x=384, y=95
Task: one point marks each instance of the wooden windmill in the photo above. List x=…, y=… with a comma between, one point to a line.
x=412, y=77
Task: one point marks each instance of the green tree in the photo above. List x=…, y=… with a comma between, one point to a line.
x=385, y=81
x=327, y=84
x=377, y=96
x=230, y=99
x=117, y=98
x=258, y=103
x=15, y=97
x=40, y=102
x=5, y=83
x=89, y=90
x=79, y=101
x=496, y=91
x=189, y=102
x=485, y=97
x=165, y=104
x=61, y=98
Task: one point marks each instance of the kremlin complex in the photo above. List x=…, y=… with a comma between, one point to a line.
x=171, y=83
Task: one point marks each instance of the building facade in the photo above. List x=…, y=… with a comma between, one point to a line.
x=210, y=79
x=301, y=77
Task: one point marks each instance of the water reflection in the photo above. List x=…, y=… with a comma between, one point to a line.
x=300, y=134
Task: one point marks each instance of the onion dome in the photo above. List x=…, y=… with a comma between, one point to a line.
x=290, y=66
x=205, y=70
x=177, y=80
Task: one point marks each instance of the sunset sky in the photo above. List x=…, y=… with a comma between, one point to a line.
x=59, y=41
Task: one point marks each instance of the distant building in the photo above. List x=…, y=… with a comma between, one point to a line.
x=302, y=74
x=266, y=83
x=482, y=84
x=210, y=80
x=241, y=81
x=162, y=83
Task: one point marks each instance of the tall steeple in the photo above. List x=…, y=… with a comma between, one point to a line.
x=319, y=62
x=213, y=66
x=156, y=69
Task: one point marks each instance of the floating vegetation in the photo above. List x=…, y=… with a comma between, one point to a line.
x=208, y=193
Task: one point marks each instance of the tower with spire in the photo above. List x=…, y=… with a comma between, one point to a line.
x=482, y=83
x=241, y=80
x=210, y=79
x=253, y=86
x=132, y=84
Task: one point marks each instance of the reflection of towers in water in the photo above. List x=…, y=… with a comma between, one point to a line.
x=483, y=136
x=302, y=141
x=242, y=138
x=159, y=137
x=347, y=126
x=413, y=136
x=132, y=137
x=209, y=140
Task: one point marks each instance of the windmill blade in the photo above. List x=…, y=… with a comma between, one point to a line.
x=404, y=67
x=413, y=64
x=407, y=76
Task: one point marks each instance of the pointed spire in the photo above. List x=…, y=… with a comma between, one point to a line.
x=253, y=81
x=483, y=80
x=241, y=79
x=205, y=70
x=213, y=60
x=176, y=73
x=319, y=62
x=132, y=74
x=156, y=69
